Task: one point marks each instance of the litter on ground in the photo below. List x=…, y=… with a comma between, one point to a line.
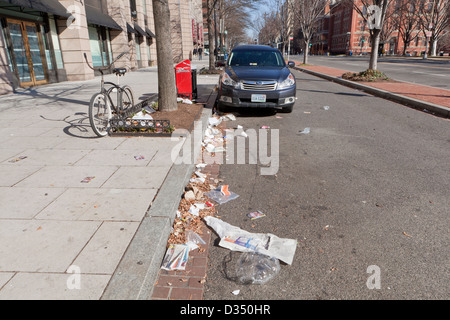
x=255, y=215
x=268, y=244
x=305, y=131
x=176, y=257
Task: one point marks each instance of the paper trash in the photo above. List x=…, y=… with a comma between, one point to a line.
x=236, y=239
x=176, y=257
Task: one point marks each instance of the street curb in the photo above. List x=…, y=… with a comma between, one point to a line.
x=138, y=269
x=410, y=102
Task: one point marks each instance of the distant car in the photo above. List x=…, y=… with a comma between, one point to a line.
x=256, y=76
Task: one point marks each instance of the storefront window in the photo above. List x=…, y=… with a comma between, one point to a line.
x=20, y=55
x=108, y=43
x=100, y=43
x=46, y=46
x=7, y=51
x=55, y=43
x=138, y=48
x=96, y=53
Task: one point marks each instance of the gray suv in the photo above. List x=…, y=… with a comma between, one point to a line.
x=256, y=76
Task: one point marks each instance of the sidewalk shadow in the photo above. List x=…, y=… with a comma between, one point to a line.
x=78, y=126
x=33, y=93
x=152, y=96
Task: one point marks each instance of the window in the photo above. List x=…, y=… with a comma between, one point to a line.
x=7, y=51
x=55, y=43
x=100, y=44
x=256, y=58
x=138, y=48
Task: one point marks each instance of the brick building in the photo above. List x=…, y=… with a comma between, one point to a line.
x=44, y=41
x=342, y=30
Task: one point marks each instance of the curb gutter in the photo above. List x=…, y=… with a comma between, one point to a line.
x=138, y=269
x=411, y=102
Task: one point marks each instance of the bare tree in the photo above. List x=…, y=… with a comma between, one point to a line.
x=307, y=12
x=167, y=98
x=435, y=17
x=374, y=14
x=268, y=33
x=407, y=18
x=237, y=19
x=210, y=6
x=389, y=26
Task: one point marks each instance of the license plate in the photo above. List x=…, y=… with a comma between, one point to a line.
x=258, y=98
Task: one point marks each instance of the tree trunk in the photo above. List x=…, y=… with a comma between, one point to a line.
x=405, y=47
x=433, y=47
x=210, y=35
x=167, y=98
x=306, y=53
x=374, y=41
x=211, y=45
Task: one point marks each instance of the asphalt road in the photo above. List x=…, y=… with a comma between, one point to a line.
x=368, y=186
x=434, y=73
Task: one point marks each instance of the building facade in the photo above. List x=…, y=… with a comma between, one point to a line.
x=44, y=41
x=342, y=30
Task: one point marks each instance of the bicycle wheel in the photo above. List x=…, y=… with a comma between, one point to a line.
x=99, y=114
x=127, y=98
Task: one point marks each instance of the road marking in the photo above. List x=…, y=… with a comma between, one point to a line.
x=430, y=74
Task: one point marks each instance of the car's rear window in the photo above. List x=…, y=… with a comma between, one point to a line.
x=256, y=58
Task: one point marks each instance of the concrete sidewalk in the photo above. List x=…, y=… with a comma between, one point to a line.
x=421, y=97
x=63, y=238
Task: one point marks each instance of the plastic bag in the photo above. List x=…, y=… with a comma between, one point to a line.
x=254, y=268
x=220, y=197
x=191, y=236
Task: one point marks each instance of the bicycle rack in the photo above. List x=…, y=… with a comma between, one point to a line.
x=124, y=125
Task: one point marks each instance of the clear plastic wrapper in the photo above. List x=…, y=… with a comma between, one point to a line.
x=254, y=268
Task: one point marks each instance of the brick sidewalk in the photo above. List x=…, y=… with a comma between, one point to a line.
x=429, y=94
x=189, y=284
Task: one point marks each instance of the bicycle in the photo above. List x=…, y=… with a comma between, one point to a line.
x=102, y=106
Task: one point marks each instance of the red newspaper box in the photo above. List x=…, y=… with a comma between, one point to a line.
x=184, y=79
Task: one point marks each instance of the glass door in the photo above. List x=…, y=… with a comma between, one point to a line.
x=28, y=52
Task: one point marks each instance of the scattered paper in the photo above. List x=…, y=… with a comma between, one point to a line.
x=305, y=131
x=176, y=257
x=87, y=179
x=255, y=215
x=142, y=116
x=229, y=116
x=236, y=292
x=213, y=121
x=236, y=239
x=194, y=210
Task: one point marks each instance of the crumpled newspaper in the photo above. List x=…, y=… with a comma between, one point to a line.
x=236, y=239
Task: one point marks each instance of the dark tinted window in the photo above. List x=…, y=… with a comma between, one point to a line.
x=256, y=58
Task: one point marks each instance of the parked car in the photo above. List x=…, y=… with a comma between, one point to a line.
x=256, y=76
